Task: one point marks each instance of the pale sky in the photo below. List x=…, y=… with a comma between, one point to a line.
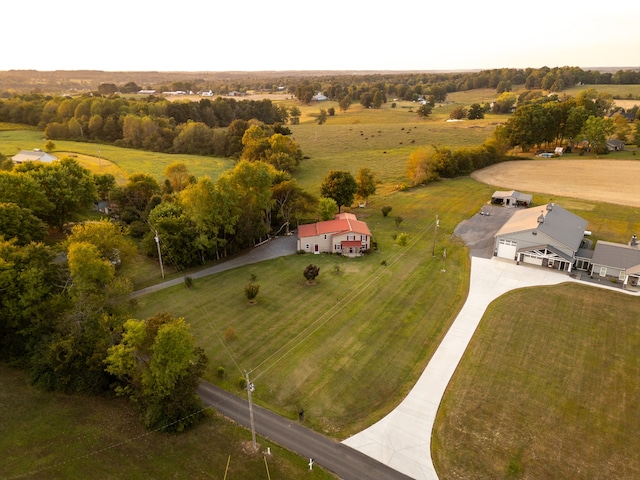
x=201, y=35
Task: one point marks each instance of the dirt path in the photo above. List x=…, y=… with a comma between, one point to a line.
x=609, y=181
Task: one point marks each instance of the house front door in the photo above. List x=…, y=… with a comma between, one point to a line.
x=316, y=248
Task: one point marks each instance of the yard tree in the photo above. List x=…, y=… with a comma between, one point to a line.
x=340, y=186
x=575, y=122
x=88, y=270
x=505, y=102
x=23, y=190
x=285, y=191
x=159, y=369
x=136, y=195
x=322, y=117
x=105, y=185
x=345, y=103
x=476, y=112
x=531, y=124
x=177, y=235
x=253, y=182
x=212, y=212
x=294, y=112
x=68, y=186
x=597, y=131
x=622, y=127
x=458, y=113
x=108, y=238
x=327, y=208
x=421, y=166
x=21, y=224
x=311, y=272
x=424, y=110
x=365, y=183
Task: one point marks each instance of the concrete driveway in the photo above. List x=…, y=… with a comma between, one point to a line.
x=402, y=439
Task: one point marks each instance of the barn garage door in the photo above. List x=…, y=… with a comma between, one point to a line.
x=507, y=249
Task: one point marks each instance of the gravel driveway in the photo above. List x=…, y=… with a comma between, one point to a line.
x=478, y=231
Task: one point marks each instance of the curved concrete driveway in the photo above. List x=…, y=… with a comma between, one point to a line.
x=402, y=439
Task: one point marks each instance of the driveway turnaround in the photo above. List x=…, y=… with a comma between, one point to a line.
x=402, y=439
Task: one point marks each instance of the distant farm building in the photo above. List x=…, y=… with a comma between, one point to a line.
x=25, y=156
x=511, y=198
x=319, y=97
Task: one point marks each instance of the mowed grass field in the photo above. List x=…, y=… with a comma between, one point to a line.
x=548, y=389
x=348, y=348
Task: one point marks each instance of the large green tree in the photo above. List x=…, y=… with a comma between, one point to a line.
x=340, y=186
x=21, y=224
x=365, y=183
x=159, y=369
x=68, y=187
x=596, y=132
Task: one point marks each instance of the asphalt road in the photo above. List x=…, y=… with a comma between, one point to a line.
x=347, y=463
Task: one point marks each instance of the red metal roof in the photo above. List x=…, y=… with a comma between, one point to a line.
x=351, y=243
x=342, y=223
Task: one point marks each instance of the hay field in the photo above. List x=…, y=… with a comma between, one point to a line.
x=609, y=181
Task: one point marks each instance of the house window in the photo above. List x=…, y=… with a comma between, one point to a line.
x=325, y=236
x=603, y=271
x=306, y=246
x=621, y=276
x=338, y=246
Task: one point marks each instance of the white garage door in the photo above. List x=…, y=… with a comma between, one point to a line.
x=507, y=249
x=531, y=259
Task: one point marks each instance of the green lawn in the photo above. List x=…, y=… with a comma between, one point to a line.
x=348, y=348
x=55, y=436
x=548, y=388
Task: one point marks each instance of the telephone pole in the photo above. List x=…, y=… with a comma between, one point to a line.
x=159, y=253
x=435, y=235
x=250, y=389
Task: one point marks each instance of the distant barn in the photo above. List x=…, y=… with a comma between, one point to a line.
x=25, y=156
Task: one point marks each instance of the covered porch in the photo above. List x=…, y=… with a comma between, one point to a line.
x=545, y=256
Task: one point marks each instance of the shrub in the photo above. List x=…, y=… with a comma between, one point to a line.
x=221, y=373
x=311, y=272
x=385, y=210
x=383, y=263
x=230, y=334
x=188, y=282
x=402, y=239
x=242, y=383
x=251, y=291
x=398, y=221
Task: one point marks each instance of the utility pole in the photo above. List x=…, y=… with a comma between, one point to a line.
x=159, y=253
x=250, y=389
x=435, y=235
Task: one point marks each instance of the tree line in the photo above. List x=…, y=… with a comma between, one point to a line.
x=207, y=127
